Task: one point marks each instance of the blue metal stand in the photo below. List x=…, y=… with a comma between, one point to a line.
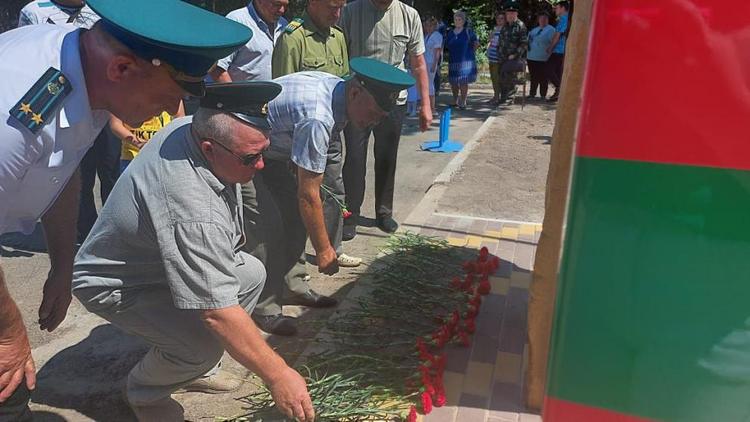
x=443, y=145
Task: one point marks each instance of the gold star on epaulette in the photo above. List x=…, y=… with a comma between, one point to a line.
x=36, y=118
x=25, y=108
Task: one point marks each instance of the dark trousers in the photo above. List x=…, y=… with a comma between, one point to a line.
x=16, y=408
x=538, y=76
x=387, y=136
x=102, y=159
x=275, y=231
x=555, y=70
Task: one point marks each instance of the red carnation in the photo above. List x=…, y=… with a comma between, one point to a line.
x=346, y=213
x=440, y=399
x=464, y=338
x=470, y=326
x=469, y=266
x=476, y=300
x=412, y=414
x=484, y=287
x=483, y=254
x=454, y=318
x=471, y=312
x=495, y=263
x=426, y=403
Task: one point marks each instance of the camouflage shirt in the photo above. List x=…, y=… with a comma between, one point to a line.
x=513, y=40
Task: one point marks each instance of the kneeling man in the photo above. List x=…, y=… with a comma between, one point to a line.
x=164, y=260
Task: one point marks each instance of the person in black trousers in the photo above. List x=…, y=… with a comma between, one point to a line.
x=103, y=159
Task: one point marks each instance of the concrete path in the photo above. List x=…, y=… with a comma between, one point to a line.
x=81, y=365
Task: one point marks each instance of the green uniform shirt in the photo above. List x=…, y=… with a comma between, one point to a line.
x=306, y=47
x=514, y=40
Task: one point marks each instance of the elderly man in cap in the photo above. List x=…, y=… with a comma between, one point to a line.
x=306, y=121
x=53, y=103
x=164, y=261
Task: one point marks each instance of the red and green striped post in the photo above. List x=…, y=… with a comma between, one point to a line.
x=652, y=320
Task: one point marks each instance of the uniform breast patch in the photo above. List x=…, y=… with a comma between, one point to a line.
x=40, y=103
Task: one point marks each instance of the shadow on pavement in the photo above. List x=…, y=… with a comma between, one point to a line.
x=87, y=377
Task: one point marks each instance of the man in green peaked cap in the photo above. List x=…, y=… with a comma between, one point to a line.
x=58, y=86
x=174, y=226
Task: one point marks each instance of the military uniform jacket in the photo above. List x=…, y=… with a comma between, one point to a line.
x=514, y=39
x=305, y=47
x=46, y=121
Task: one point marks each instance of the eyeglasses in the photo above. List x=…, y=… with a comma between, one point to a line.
x=248, y=160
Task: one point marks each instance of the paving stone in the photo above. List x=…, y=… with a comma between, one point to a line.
x=485, y=348
x=441, y=414
x=510, y=233
x=453, y=382
x=499, y=285
x=521, y=280
x=478, y=227
x=513, y=331
x=472, y=400
x=503, y=417
x=470, y=414
x=508, y=367
x=506, y=397
x=478, y=379
x=457, y=358
x=524, y=257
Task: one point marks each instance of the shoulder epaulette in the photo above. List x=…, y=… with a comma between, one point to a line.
x=293, y=25
x=40, y=103
x=338, y=28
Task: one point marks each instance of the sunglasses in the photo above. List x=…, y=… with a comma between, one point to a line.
x=248, y=160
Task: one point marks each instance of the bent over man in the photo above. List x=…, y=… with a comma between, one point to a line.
x=164, y=260
x=306, y=121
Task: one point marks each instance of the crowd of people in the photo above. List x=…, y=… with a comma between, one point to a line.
x=511, y=50
x=220, y=153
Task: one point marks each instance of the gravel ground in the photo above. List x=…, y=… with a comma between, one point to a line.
x=510, y=163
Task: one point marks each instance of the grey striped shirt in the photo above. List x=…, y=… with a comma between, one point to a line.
x=383, y=35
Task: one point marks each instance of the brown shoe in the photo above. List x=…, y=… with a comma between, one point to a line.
x=164, y=410
x=218, y=383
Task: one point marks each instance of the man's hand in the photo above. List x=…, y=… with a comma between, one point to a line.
x=55, y=300
x=135, y=141
x=425, y=118
x=289, y=392
x=328, y=262
x=15, y=359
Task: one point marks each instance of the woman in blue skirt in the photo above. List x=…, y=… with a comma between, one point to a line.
x=462, y=64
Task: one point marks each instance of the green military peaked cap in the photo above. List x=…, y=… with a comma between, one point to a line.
x=174, y=33
x=245, y=100
x=511, y=5
x=380, y=79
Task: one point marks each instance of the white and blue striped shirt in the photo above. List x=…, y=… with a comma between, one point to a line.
x=309, y=110
x=252, y=61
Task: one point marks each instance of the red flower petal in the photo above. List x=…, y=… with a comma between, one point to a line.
x=412, y=414
x=426, y=403
x=484, y=287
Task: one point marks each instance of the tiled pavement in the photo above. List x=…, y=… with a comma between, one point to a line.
x=484, y=382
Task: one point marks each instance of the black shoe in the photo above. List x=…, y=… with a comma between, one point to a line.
x=312, y=299
x=530, y=97
x=553, y=98
x=349, y=232
x=276, y=324
x=387, y=224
